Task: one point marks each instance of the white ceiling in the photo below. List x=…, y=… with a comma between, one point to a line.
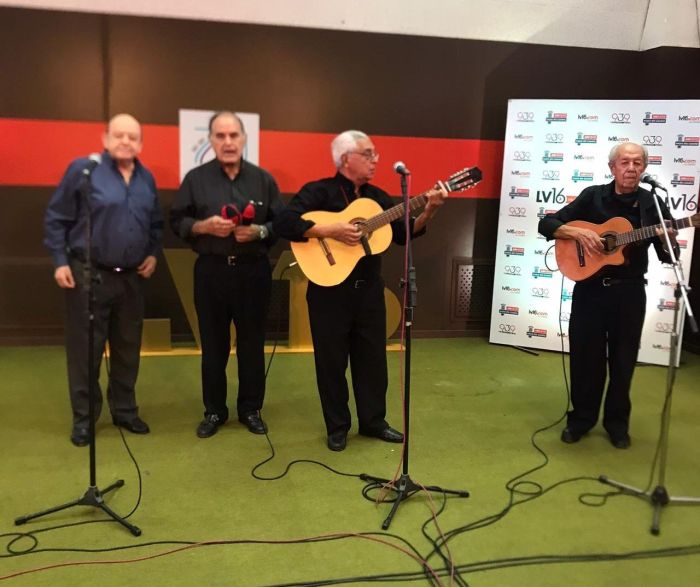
x=613, y=24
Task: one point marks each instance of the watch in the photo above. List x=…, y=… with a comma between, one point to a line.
x=263, y=232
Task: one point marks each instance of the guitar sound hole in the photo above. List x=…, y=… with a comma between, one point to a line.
x=609, y=242
x=362, y=225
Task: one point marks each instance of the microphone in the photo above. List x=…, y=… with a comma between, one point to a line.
x=248, y=214
x=94, y=159
x=401, y=169
x=647, y=178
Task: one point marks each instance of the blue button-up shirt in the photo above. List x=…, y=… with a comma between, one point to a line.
x=127, y=221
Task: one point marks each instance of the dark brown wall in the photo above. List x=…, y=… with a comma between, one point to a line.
x=68, y=66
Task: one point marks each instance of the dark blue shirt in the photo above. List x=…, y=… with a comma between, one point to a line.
x=127, y=221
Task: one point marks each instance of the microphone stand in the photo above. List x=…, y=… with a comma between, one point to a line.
x=93, y=495
x=404, y=486
x=659, y=496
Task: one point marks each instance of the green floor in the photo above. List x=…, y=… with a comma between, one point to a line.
x=475, y=407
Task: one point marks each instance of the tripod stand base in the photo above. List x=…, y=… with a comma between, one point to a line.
x=92, y=497
x=405, y=488
x=658, y=498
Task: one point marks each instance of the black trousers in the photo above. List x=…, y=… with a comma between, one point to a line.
x=119, y=320
x=604, y=335
x=222, y=293
x=349, y=321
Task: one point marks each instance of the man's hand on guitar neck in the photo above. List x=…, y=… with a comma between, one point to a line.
x=589, y=240
x=436, y=198
x=341, y=231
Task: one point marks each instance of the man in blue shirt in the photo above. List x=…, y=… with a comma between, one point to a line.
x=126, y=234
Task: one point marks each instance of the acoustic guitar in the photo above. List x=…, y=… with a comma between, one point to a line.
x=616, y=233
x=326, y=261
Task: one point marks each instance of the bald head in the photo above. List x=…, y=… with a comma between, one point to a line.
x=122, y=139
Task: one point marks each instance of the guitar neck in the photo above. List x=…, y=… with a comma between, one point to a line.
x=639, y=234
x=395, y=212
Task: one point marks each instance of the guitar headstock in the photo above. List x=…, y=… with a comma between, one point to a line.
x=463, y=180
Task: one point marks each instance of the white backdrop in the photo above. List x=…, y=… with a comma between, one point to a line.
x=553, y=150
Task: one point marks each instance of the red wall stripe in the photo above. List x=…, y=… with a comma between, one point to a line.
x=36, y=153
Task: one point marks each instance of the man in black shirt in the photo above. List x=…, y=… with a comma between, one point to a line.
x=349, y=320
x=607, y=310
x=224, y=210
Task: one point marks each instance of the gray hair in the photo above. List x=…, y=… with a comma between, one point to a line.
x=615, y=150
x=344, y=143
x=221, y=113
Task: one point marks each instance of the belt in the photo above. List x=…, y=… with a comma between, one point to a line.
x=234, y=260
x=78, y=256
x=112, y=269
x=608, y=281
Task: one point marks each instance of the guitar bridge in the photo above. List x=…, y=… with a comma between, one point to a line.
x=326, y=251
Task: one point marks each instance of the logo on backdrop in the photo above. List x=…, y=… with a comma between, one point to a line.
x=536, y=332
x=678, y=179
x=522, y=137
x=666, y=305
x=650, y=118
x=517, y=211
x=537, y=272
x=525, y=117
x=566, y=295
x=517, y=251
x=616, y=139
x=542, y=212
x=588, y=117
x=683, y=141
x=582, y=175
x=655, y=160
x=509, y=289
x=512, y=270
x=551, y=174
x=540, y=292
x=686, y=162
x=620, y=118
x=508, y=310
x=652, y=141
x=506, y=328
x=519, y=192
x=683, y=202
x=582, y=139
x=688, y=118
x=521, y=155
x=554, y=138
x=555, y=117
x=551, y=156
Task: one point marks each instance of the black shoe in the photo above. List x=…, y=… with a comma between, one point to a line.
x=254, y=423
x=135, y=425
x=209, y=425
x=388, y=434
x=338, y=441
x=80, y=436
x=621, y=440
x=569, y=436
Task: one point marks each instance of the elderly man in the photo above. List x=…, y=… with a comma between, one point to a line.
x=348, y=320
x=127, y=228
x=224, y=210
x=607, y=311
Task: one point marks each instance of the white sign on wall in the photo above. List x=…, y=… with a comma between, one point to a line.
x=553, y=150
x=195, y=148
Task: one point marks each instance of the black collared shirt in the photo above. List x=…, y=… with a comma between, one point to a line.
x=334, y=194
x=207, y=188
x=126, y=219
x=600, y=203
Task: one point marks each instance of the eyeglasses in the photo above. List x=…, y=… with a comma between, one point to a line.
x=368, y=154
